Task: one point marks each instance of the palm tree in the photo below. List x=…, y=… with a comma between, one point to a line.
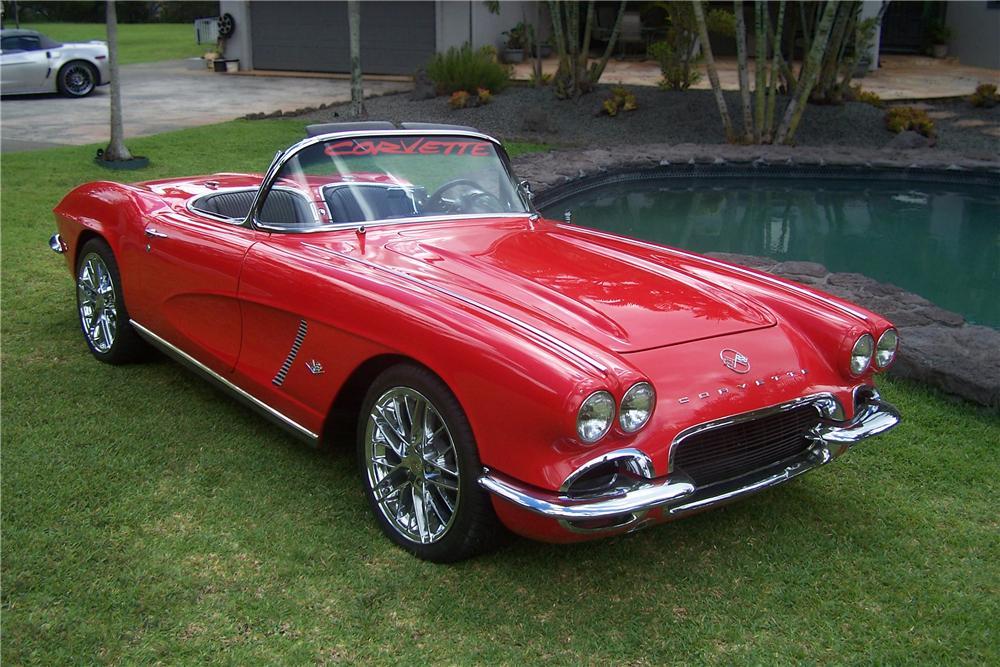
x=116, y=149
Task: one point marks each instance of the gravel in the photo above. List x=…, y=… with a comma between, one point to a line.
x=671, y=117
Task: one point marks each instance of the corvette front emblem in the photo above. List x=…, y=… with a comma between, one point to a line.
x=735, y=361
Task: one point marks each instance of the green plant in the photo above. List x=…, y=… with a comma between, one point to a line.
x=901, y=119
x=938, y=32
x=517, y=37
x=621, y=100
x=985, y=96
x=866, y=96
x=676, y=69
x=484, y=96
x=467, y=69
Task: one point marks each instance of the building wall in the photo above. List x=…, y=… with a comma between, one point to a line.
x=470, y=21
x=976, y=33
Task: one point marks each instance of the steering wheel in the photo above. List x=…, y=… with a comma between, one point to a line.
x=476, y=199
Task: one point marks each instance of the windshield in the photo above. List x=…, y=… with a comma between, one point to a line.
x=365, y=179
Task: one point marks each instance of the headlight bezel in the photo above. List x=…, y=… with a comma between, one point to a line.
x=879, y=349
x=638, y=387
x=856, y=355
x=588, y=403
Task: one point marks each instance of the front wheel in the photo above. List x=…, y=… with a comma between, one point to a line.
x=420, y=467
x=101, y=306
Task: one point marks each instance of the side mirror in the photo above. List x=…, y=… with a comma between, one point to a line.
x=525, y=188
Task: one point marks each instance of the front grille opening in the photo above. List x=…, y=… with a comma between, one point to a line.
x=725, y=453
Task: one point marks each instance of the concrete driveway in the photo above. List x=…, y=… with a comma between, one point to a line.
x=158, y=97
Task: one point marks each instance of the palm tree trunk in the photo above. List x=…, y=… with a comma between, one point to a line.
x=713, y=73
x=357, y=86
x=793, y=113
x=760, y=71
x=741, y=66
x=116, y=147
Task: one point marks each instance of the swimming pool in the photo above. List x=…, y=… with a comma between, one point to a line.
x=939, y=240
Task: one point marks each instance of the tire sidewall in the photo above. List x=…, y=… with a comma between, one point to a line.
x=455, y=544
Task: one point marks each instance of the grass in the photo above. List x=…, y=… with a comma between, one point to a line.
x=147, y=518
x=137, y=42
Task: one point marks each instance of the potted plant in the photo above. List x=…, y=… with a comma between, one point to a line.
x=938, y=33
x=517, y=38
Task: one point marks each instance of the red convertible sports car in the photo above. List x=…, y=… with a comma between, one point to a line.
x=495, y=367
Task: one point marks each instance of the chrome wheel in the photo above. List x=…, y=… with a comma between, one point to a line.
x=97, y=301
x=78, y=79
x=412, y=465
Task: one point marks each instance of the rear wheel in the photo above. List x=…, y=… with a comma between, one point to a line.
x=101, y=307
x=77, y=79
x=420, y=467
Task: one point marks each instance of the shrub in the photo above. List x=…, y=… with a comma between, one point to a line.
x=900, y=119
x=467, y=69
x=621, y=100
x=866, y=96
x=985, y=96
x=678, y=73
x=484, y=96
x=459, y=99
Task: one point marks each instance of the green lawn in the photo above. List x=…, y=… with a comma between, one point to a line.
x=137, y=42
x=148, y=518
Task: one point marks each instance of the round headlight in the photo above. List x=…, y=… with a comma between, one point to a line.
x=885, y=351
x=637, y=406
x=861, y=354
x=595, y=416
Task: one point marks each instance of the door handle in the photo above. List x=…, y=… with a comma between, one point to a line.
x=151, y=232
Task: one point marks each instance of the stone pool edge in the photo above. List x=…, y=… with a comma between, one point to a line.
x=938, y=347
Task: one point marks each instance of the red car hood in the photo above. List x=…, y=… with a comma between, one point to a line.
x=562, y=283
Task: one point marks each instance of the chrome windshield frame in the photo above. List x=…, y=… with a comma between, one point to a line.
x=282, y=158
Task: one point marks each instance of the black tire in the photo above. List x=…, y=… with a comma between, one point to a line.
x=426, y=470
x=100, y=306
x=77, y=78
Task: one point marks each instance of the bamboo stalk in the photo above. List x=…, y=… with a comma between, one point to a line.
x=772, y=91
x=713, y=73
x=741, y=68
x=793, y=113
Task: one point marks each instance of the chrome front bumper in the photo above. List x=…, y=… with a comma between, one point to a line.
x=678, y=495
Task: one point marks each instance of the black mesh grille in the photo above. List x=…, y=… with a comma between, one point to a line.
x=731, y=451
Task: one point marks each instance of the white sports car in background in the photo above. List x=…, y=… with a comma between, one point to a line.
x=30, y=62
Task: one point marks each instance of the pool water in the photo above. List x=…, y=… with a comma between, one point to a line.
x=939, y=241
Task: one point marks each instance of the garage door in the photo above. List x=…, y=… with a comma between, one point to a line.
x=396, y=37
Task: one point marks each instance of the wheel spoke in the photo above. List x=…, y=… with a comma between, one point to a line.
x=440, y=466
x=106, y=328
x=443, y=484
x=434, y=508
x=420, y=512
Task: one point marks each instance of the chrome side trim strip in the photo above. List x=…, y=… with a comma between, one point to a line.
x=733, y=267
x=243, y=395
x=559, y=345
x=279, y=378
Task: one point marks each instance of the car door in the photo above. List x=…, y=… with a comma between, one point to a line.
x=24, y=65
x=188, y=284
